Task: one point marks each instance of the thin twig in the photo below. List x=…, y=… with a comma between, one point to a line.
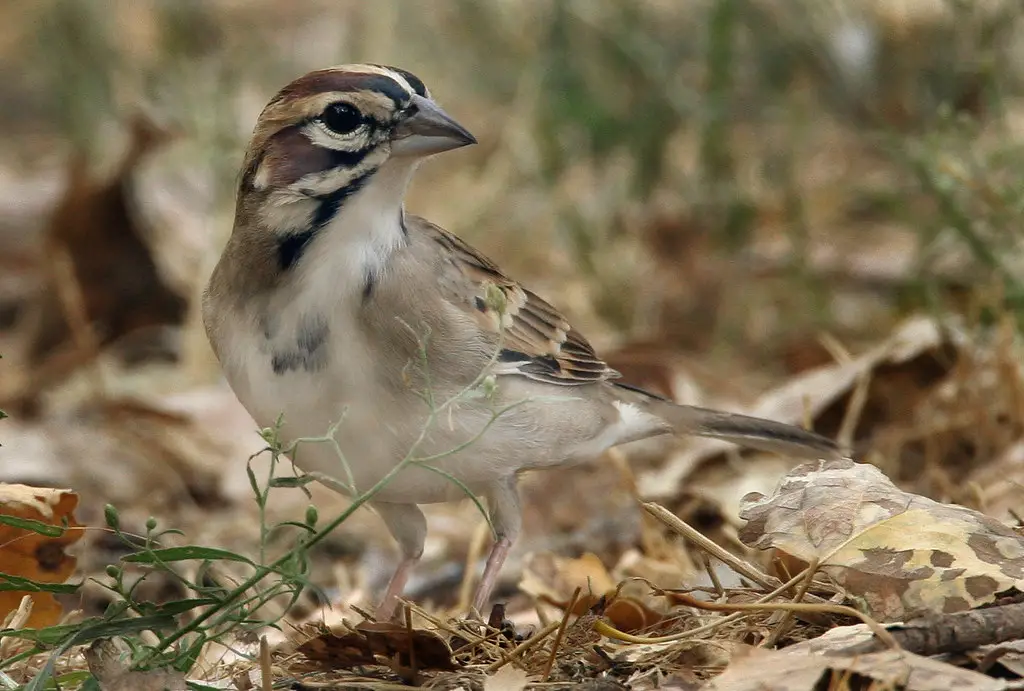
x=711, y=574
x=72, y=303
x=266, y=673
x=787, y=619
x=529, y=643
x=740, y=566
x=473, y=640
x=854, y=410
x=876, y=628
x=607, y=630
x=560, y=635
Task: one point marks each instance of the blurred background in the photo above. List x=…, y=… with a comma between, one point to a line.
x=725, y=195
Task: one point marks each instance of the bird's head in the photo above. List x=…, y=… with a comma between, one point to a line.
x=333, y=133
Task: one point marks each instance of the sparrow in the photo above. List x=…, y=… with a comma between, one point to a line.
x=339, y=316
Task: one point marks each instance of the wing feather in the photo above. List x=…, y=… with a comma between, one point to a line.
x=537, y=341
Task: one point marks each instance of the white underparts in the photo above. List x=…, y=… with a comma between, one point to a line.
x=633, y=424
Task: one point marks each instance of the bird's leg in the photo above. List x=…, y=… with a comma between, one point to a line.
x=507, y=520
x=408, y=526
x=386, y=609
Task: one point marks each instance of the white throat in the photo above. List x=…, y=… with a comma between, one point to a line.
x=355, y=245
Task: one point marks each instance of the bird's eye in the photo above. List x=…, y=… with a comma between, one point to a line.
x=341, y=118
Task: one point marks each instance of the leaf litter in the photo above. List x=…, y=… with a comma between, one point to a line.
x=892, y=554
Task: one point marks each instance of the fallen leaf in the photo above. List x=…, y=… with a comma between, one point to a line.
x=342, y=651
x=372, y=639
x=899, y=554
x=764, y=670
x=97, y=226
x=1008, y=655
x=552, y=579
x=26, y=553
x=508, y=678
x=110, y=666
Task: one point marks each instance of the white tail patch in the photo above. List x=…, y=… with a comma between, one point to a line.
x=633, y=424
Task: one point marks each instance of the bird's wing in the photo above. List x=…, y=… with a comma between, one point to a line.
x=536, y=340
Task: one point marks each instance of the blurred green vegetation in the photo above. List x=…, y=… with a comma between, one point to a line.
x=811, y=122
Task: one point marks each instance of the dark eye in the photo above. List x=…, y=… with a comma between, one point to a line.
x=341, y=118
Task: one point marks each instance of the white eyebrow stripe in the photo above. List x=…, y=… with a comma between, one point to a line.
x=376, y=69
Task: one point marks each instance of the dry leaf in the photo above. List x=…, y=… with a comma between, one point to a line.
x=97, y=225
x=764, y=670
x=1008, y=655
x=338, y=651
x=372, y=639
x=508, y=678
x=28, y=554
x=553, y=579
x=900, y=554
x=110, y=667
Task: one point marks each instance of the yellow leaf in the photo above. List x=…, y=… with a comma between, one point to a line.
x=38, y=557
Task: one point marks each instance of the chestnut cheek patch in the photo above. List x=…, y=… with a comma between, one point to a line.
x=289, y=157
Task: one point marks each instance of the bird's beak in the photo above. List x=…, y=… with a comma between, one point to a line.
x=428, y=130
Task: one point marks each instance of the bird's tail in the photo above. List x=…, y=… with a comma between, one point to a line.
x=743, y=430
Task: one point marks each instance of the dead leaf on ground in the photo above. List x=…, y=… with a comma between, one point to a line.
x=508, y=678
x=552, y=579
x=96, y=226
x=1000, y=484
x=372, y=639
x=765, y=670
x=109, y=664
x=1009, y=656
x=28, y=554
x=898, y=554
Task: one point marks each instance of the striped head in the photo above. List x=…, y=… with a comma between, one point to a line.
x=334, y=132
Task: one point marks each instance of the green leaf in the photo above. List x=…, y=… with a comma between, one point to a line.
x=88, y=630
x=77, y=677
x=9, y=582
x=187, y=661
x=180, y=606
x=156, y=556
x=34, y=526
x=290, y=482
x=294, y=524
x=43, y=677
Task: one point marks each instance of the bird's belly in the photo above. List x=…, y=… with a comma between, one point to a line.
x=462, y=447
x=443, y=457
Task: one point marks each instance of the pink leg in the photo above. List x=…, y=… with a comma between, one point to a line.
x=396, y=585
x=507, y=519
x=407, y=524
x=495, y=560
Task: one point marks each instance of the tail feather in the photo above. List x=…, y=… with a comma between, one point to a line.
x=743, y=430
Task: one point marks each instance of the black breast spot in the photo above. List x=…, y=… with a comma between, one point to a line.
x=309, y=352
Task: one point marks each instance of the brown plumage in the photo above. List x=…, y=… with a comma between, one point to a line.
x=535, y=338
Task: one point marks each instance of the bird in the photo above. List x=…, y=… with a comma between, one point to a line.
x=426, y=373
